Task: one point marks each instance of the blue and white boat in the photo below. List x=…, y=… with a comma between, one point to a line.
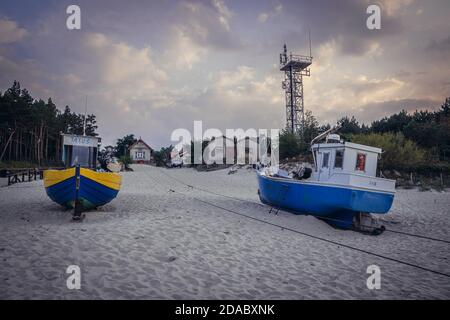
x=341, y=186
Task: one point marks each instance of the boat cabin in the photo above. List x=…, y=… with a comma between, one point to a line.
x=80, y=150
x=337, y=157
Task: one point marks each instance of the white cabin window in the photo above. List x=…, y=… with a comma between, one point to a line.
x=325, y=159
x=360, y=162
x=339, y=159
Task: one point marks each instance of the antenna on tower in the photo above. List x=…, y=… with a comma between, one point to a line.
x=309, y=35
x=84, y=123
x=294, y=68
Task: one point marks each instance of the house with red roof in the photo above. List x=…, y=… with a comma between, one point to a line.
x=141, y=152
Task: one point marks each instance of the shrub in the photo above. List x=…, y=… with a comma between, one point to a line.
x=290, y=144
x=162, y=157
x=126, y=160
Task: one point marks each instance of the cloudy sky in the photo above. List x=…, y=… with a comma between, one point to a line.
x=149, y=67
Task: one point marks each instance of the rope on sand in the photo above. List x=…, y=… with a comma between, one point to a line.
x=310, y=235
x=325, y=240
x=323, y=218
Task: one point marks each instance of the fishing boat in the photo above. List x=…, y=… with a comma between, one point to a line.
x=341, y=188
x=79, y=186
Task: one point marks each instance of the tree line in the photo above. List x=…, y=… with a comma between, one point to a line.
x=30, y=129
x=420, y=139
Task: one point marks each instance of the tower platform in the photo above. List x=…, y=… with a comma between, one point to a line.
x=298, y=62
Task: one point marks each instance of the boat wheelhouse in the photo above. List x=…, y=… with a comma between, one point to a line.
x=350, y=164
x=80, y=150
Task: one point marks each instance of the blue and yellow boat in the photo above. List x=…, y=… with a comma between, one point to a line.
x=78, y=186
x=89, y=188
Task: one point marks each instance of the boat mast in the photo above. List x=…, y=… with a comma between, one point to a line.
x=324, y=134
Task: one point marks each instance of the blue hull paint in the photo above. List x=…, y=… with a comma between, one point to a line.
x=328, y=202
x=95, y=193
x=92, y=194
x=63, y=193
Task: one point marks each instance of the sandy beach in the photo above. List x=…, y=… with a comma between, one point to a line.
x=159, y=240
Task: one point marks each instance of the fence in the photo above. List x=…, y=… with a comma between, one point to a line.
x=25, y=175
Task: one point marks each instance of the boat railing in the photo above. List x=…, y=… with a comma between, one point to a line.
x=358, y=175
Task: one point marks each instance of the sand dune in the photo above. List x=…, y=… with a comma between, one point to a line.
x=158, y=241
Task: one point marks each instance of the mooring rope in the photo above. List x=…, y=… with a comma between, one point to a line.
x=304, y=233
x=324, y=239
x=324, y=218
x=314, y=236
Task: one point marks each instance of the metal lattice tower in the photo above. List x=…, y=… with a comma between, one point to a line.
x=294, y=67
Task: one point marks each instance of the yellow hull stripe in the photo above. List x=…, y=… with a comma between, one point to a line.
x=108, y=179
x=52, y=177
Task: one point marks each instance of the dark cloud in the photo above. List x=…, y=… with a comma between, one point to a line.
x=440, y=48
x=374, y=111
x=343, y=21
x=386, y=108
x=440, y=45
x=208, y=25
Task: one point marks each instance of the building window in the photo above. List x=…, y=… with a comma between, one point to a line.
x=339, y=159
x=140, y=155
x=360, y=162
x=325, y=159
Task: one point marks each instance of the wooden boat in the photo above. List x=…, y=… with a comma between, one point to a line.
x=79, y=186
x=342, y=185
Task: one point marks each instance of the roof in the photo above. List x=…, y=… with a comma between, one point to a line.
x=347, y=145
x=220, y=137
x=139, y=141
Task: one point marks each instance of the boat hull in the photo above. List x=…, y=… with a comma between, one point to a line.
x=336, y=204
x=92, y=189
